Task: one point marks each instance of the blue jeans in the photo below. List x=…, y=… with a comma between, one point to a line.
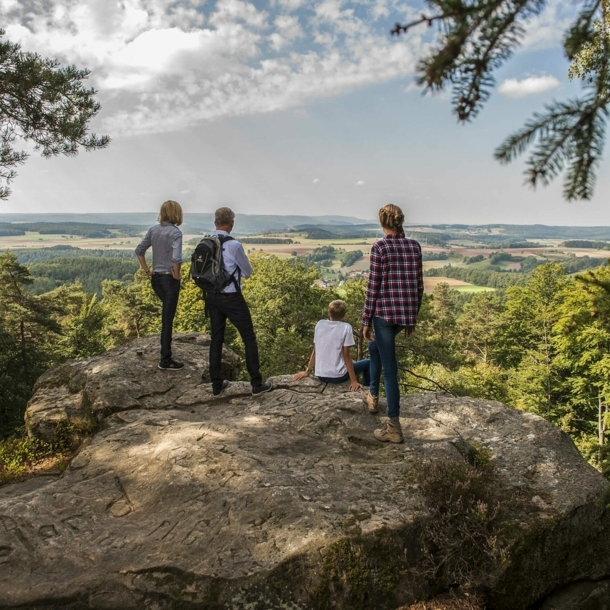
x=361, y=366
x=383, y=356
x=168, y=290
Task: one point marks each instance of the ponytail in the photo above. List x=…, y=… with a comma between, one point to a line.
x=391, y=217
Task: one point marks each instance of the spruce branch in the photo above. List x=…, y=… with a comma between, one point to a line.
x=478, y=36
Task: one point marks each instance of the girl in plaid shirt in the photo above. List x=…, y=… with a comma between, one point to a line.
x=393, y=298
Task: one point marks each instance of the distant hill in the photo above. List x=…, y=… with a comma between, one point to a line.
x=498, y=232
x=246, y=223
x=494, y=235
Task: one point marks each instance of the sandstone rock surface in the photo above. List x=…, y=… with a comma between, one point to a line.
x=283, y=501
x=124, y=378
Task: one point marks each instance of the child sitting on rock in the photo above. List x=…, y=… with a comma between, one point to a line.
x=333, y=361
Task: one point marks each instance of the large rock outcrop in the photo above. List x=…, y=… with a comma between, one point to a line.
x=283, y=501
x=127, y=377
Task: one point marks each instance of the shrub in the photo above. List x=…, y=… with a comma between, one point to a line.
x=460, y=543
x=22, y=455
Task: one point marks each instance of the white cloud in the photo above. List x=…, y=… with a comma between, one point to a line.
x=360, y=183
x=161, y=65
x=547, y=29
x=512, y=87
x=316, y=180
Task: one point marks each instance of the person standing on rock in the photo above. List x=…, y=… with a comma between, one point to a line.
x=393, y=298
x=166, y=241
x=229, y=303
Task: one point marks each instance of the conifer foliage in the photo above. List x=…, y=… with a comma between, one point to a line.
x=45, y=104
x=478, y=36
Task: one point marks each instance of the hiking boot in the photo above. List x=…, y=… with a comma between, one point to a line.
x=172, y=365
x=391, y=432
x=370, y=401
x=223, y=387
x=262, y=388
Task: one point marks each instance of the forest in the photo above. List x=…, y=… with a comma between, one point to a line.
x=82, y=229
x=542, y=346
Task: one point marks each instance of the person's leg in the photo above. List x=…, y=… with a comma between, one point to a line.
x=170, y=304
x=364, y=367
x=385, y=338
x=218, y=323
x=160, y=289
x=239, y=315
x=374, y=369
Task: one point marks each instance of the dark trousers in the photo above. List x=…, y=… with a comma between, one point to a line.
x=168, y=290
x=231, y=306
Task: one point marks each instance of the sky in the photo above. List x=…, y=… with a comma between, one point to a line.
x=287, y=107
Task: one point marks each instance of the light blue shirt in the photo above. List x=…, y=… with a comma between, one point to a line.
x=166, y=241
x=234, y=257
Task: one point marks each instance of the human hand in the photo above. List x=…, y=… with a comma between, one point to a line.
x=354, y=386
x=301, y=375
x=367, y=333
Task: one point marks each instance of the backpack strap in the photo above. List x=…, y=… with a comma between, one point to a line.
x=236, y=281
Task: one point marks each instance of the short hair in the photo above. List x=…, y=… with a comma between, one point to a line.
x=224, y=217
x=391, y=217
x=337, y=309
x=171, y=211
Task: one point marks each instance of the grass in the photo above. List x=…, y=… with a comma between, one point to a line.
x=473, y=288
x=22, y=456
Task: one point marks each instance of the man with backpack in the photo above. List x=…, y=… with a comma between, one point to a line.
x=218, y=264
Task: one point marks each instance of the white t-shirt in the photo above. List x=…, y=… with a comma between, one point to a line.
x=330, y=337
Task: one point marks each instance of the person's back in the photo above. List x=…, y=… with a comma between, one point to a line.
x=331, y=356
x=229, y=304
x=330, y=337
x=165, y=275
x=395, y=281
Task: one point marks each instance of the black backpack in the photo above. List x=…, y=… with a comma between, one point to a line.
x=207, y=265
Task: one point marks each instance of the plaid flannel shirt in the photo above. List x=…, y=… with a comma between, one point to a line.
x=396, y=281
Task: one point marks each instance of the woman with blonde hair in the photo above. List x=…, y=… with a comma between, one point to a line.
x=393, y=298
x=166, y=241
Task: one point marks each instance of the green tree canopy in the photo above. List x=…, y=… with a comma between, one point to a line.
x=43, y=103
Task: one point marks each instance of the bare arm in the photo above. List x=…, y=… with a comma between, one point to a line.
x=144, y=264
x=349, y=363
x=310, y=366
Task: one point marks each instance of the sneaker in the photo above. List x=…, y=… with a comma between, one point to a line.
x=370, y=401
x=389, y=433
x=172, y=365
x=262, y=388
x=225, y=385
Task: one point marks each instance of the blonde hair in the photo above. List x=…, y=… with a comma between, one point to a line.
x=391, y=217
x=337, y=309
x=171, y=211
x=223, y=217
